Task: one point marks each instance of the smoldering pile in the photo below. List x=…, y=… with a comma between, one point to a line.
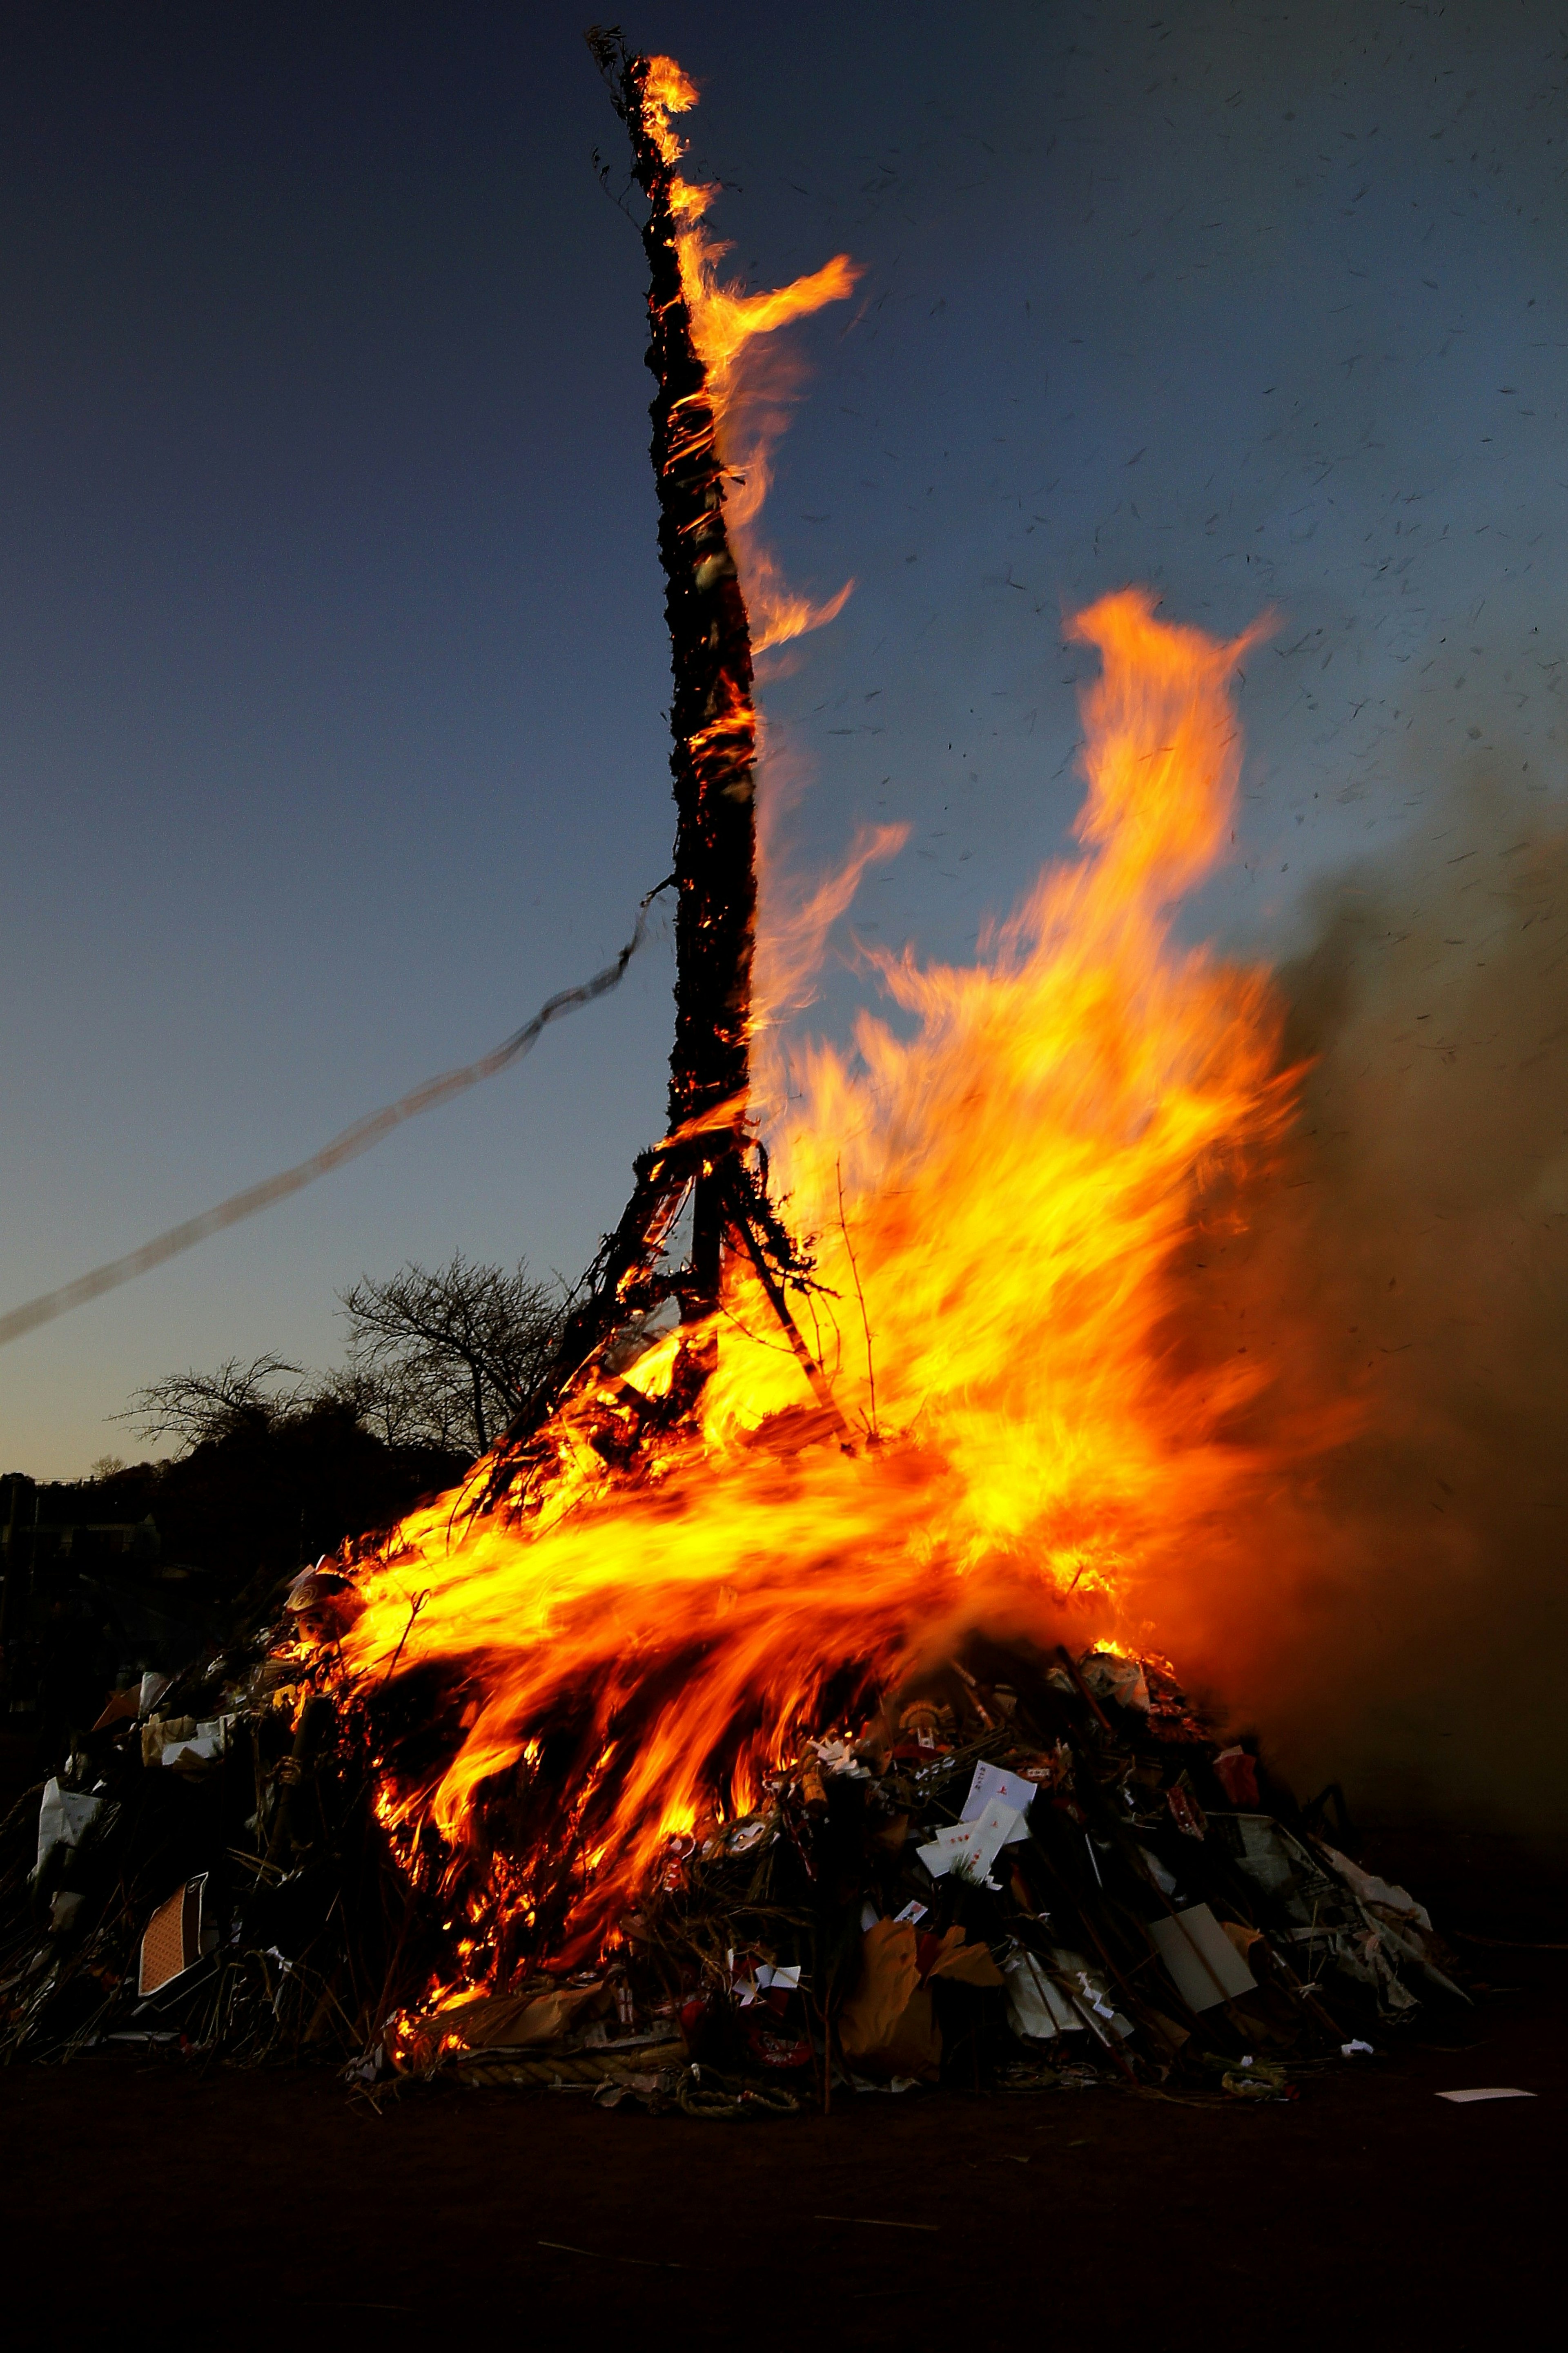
x=1033, y=1871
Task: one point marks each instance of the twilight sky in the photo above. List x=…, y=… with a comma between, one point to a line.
x=331, y=658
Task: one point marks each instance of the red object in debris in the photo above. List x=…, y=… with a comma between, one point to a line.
x=693, y=2016
x=776, y=2050
x=928, y=1952
x=1237, y=1774
x=120, y=1707
x=1186, y=1811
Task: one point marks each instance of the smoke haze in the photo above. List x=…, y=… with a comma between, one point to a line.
x=1402, y=1607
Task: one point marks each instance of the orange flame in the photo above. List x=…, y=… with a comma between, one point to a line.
x=1007, y=1186
x=725, y=321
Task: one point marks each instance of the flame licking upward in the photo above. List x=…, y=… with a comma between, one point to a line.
x=749, y=399
x=1007, y=1185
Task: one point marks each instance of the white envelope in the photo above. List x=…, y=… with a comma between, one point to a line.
x=973, y=1846
x=991, y=1781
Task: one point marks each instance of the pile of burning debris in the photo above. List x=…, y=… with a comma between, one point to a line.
x=1039, y=1871
x=611, y=1769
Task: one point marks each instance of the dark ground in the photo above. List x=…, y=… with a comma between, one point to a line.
x=273, y=2208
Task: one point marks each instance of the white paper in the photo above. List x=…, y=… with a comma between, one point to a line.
x=870, y=1915
x=787, y=1979
x=992, y=1783
x=1037, y=2007
x=1093, y=2003
x=202, y=1750
x=938, y=1852
x=1205, y=1965
x=971, y=1848
x=63, y=1817
x=1492, y=2091
x=913, y=1912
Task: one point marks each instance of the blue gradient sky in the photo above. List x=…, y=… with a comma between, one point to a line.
x=332, y=660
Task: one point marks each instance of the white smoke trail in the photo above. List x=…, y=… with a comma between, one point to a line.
x=359, y=1137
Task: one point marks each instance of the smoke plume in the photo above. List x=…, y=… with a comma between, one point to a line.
x=1395, y=1618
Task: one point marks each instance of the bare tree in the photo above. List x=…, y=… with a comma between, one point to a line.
x=193, y=1407
x=447, y=1358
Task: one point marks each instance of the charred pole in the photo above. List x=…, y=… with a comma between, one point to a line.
x=703, y=1156
x=713, y=715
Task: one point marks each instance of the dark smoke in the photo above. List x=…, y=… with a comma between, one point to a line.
x=1394, y=1618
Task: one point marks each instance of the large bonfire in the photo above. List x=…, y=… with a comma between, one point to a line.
x=796, y=1657
x=997, y=1204
x=635, y=1619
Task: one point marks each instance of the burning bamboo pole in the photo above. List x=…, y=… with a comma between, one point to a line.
x=713, y=715
x=713, y=766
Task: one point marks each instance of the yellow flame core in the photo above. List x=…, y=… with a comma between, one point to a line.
x=1008, y=1180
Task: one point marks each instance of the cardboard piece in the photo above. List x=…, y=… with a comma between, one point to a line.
x=1205, y=1965
x=1489, y=2092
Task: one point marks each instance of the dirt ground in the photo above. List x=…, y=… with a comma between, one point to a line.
x=233, y=2208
